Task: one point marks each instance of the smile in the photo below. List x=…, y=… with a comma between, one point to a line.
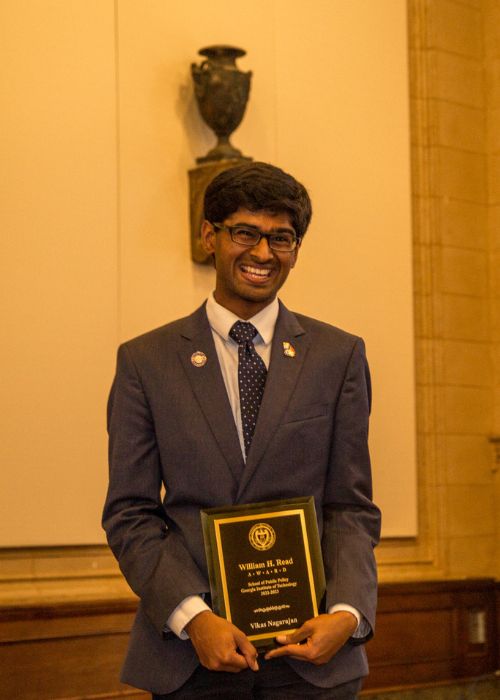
x=256, y=273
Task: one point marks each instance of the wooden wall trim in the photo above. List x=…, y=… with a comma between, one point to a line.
x=57, y=610
x=434, y=631
x=497, y=605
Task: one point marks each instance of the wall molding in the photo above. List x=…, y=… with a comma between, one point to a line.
x=47, y=575
x=421, y=557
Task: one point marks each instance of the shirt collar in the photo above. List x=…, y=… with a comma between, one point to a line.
x=221, y=319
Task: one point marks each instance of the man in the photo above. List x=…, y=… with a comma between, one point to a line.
x=179, y=416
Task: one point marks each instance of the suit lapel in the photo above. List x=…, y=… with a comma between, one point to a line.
x=281, y=380
x=208, y=386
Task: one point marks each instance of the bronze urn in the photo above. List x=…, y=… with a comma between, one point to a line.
x=222, y=92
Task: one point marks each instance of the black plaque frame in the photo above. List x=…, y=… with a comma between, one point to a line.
x=269, y=587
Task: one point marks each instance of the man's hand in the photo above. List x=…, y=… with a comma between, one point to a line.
x=324, y=636
x=217, y=641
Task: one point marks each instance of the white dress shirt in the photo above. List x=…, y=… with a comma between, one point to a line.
x=221, y=321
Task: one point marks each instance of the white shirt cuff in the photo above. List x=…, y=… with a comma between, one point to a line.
x=184, y=613
x=194, y=604
x=363, y=629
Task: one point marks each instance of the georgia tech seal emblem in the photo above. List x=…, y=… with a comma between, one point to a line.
x=262, y=536
x=198, y=358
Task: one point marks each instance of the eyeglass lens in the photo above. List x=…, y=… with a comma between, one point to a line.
x=283, y=241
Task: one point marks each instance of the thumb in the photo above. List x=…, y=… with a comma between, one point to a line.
x=294, y=637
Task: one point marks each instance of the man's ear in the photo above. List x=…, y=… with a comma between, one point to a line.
x=207, y=236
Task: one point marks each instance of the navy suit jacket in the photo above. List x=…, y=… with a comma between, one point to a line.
x=170, y=423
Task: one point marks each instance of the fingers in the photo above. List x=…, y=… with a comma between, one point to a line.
x=232, y=663
x=323, y=637
x=296, y=636
x=216, y=641
x=247, y=649
x=291, y=644
x=296, y=651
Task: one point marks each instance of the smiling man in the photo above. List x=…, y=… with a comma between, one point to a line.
x=250, y=273
x=242, y=402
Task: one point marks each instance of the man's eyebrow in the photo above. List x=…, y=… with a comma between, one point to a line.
x=280, y=229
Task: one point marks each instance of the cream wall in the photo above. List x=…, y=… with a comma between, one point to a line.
x=454, y=49
x=99, y=129
x=58, y=257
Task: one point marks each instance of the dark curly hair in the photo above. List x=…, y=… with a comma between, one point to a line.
x=258, y=187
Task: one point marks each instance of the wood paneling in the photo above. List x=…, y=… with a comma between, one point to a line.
x=497, y=636
x=423, y=632
x=63, y=651
x=75, y=650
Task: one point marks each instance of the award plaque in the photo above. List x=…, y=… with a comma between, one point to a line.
x=265, y=566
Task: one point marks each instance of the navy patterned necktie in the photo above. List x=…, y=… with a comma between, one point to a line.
x=252, y=374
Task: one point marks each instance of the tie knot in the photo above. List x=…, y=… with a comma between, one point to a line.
x=242, y=332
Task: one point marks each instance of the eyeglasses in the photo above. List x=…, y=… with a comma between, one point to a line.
x=281, y=241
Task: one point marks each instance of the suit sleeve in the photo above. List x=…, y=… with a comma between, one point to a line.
x=152, y=556
x=351, y=521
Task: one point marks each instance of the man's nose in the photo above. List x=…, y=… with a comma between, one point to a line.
x=261, y=250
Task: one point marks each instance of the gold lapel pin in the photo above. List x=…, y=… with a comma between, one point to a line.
x=288, y=349
x=198, y=358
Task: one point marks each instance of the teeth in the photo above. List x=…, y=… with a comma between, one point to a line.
x=256, y=271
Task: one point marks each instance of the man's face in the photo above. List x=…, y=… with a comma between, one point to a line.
x=248, y=278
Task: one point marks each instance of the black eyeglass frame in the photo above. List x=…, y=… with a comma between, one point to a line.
x=268, y=236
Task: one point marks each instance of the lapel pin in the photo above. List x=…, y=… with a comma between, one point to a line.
x=198, y=358
x=288, y=349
